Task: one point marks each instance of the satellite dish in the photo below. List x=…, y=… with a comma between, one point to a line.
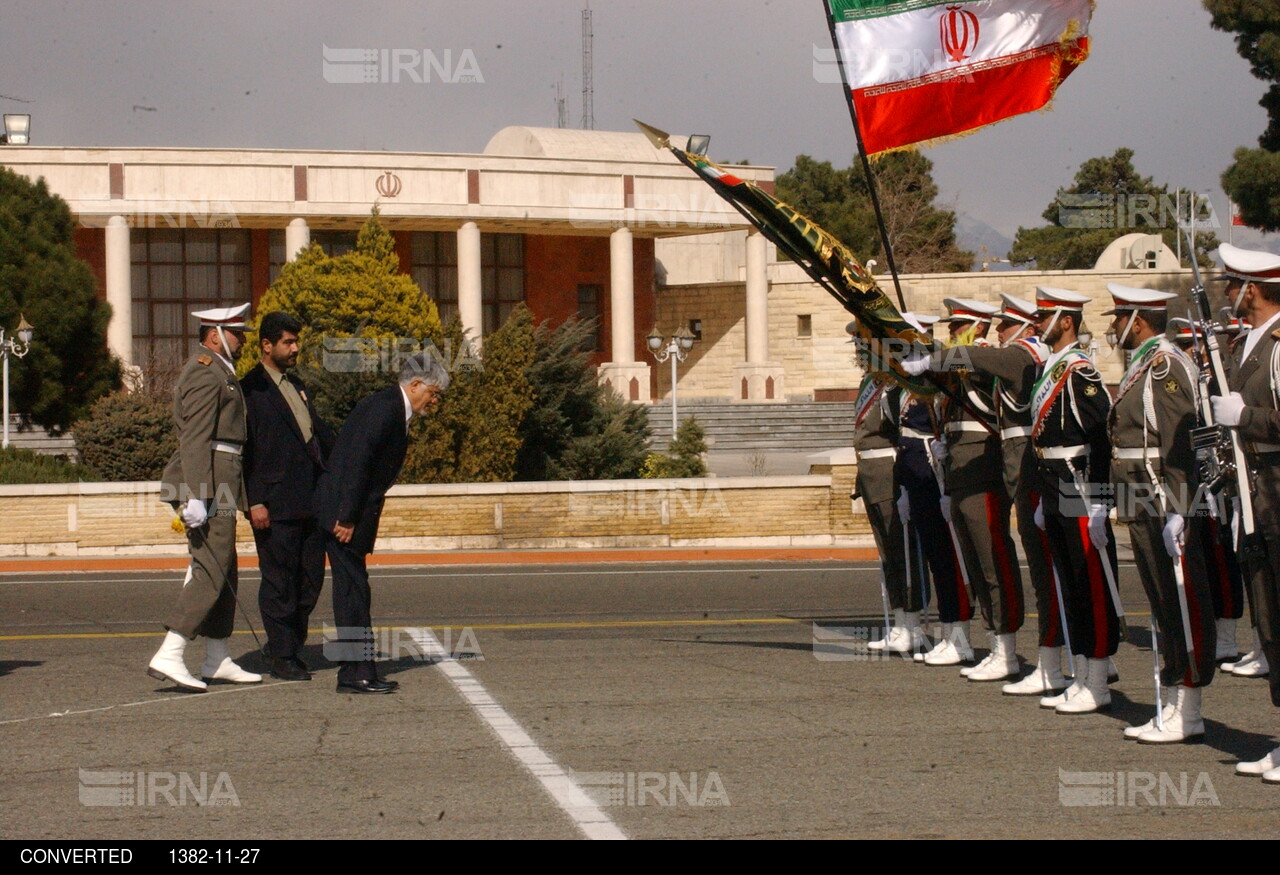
x=1144, y=253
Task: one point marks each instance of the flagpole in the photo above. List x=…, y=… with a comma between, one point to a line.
x=866, y=162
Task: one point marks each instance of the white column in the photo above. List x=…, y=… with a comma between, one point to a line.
x=119, y=290
x=622, y=297
x=470, y=307
x=297, y=237
x=757, y=299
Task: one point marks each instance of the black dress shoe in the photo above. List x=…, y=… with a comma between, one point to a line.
x=374, y=686
x=289, y=670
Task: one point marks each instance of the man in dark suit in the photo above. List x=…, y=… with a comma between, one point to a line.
x=283, y=459
x=364, y=464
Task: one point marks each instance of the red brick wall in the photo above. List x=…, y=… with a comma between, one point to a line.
x=555, y=266
x=91, y=245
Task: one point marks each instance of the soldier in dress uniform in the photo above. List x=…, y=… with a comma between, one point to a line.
x=1070, y=406
x=1253, y=408
x=876, y=444
x=1014, y=366
x=976, y=503
x=1226, y=583
x=920, y=504
x=1155, y=477
x=203, y=482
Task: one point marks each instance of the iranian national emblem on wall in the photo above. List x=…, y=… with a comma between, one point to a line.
x=958, y=28
x=388, y=184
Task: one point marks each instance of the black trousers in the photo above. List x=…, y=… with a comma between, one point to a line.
x=291, y=558
x=1092, y=620
x=353, y=649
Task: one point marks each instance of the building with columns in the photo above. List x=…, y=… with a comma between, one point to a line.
x=569, y=222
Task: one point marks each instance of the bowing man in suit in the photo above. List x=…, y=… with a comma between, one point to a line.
x=283, y=458
x=364, y=464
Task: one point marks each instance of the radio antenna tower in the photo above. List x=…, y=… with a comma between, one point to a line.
x=588, y=88
x=562, y=109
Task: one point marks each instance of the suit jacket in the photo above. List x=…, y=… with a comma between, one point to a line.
x=280, y=469
x=364, y=464
x=208, y=407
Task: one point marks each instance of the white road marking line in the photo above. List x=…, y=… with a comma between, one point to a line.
x=571, y=798
x=176, y=697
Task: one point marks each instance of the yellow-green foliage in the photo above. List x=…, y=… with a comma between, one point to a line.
x=473, y=434
x=359, y=294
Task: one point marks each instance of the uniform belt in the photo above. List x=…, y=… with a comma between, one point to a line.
x=882, y=453
x=1016, y=431
x=918, y=435
x=230, y=449
x=956, y=427
x=1063, y=453
x=1131, y=453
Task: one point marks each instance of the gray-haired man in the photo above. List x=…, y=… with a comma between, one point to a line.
x=365, y=462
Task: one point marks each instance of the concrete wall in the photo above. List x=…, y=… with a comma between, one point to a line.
x=105, y=519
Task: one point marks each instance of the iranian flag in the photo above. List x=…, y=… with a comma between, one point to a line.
x=922, y=70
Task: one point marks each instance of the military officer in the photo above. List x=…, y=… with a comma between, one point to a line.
x=977, y=504
x=1070, y=406
x=1253, y=408
x=876, y=443
x=1154, y=473
x=920, y=504
x=204, y=484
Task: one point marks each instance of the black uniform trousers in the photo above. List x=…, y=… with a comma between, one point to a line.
x=932, y=533
x=1264, y=574
x=1092, y=621
x=354, y=648
x=291, y=558
x=1155, y=568
x=1021, y=476
x=1226, y=583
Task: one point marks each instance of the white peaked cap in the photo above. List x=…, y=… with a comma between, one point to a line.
x=1250, y=265
x=1129, y=298
x=223, y=317
x=969, y=310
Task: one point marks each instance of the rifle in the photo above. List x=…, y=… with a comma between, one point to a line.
x=1219, y=450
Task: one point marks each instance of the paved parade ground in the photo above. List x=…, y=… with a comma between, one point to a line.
x=648, y=700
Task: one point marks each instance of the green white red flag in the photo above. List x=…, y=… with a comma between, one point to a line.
x=922, y=70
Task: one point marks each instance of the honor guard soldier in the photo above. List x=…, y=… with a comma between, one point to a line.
x=876, y=444
x=977, y=504
x=920, y=504
x=204, y=484
x=1014, y=366
x=1226, y=584
x=1253, y=408
x=1070, y=407
x=1153, y=471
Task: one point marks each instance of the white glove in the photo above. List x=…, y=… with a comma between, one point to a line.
x=904, y=506
x=194, y=513
x=1235, y=523
x=915, y=365
x=939, y=449
x=1227, y=410
x=944, y=504
x=1098, y=526
x=1039, y=515
x=1174, y=529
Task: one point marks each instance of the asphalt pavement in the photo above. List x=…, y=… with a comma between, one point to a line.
x=637, y=700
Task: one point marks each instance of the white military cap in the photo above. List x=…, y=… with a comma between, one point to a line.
x=1249, y=265
x=1017, y=310
x=919, y=321
x=1049, y=300
x=1128, y=299
x=969, y=310
x=1182, y=330
x=223, y=317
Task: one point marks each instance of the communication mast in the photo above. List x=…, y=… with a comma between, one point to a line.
x=588, y=88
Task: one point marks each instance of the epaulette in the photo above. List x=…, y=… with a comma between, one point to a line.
x=204, y=360
x=1276, y=334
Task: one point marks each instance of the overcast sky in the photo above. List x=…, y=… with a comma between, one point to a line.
x=251, y=74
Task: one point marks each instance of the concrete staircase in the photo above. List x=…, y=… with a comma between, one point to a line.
x=39, y=440
x=802, y=427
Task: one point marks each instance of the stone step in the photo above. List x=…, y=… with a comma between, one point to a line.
x=785, y=428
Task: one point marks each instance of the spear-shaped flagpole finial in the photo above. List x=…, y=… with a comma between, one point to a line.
x=660, y=139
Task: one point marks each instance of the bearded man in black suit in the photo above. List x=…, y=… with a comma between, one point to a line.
x=283, y=458
x=364, y=464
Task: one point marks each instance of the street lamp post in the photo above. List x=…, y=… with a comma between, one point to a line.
x=18, y=348
x=677, y=350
